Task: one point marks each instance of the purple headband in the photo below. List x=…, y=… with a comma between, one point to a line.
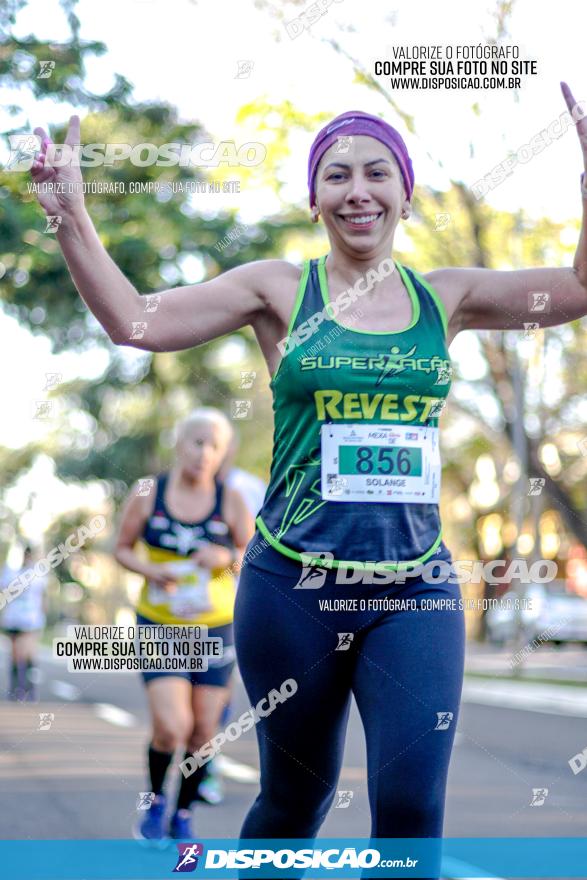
x=357, y=122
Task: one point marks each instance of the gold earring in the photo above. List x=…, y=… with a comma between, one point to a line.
x=315, y=216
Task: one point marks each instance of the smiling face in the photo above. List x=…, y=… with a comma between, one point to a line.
x=360, y=194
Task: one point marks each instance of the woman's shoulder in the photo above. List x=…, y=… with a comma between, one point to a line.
x=144, y=490
x=285, y=268
x=448, y=284
x=275, y=275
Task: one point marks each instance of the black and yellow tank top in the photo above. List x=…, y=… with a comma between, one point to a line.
x=207, y=599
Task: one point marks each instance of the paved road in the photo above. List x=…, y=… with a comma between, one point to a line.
x=80, y=778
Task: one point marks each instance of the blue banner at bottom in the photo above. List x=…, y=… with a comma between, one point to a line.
x=489, y=857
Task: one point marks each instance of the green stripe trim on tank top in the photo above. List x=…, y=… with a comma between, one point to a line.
x=407, y=282
x=344, y=563
x=437, y=300
x=297, y=305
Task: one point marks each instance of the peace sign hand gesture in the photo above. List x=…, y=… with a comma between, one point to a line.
x=578, y=112
x=63, y=193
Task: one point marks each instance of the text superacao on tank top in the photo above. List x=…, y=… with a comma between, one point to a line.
x=337, y=375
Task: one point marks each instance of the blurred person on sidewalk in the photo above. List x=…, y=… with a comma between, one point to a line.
x=23, y=618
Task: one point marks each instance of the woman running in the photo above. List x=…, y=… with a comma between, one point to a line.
x=193, y=528
x=354, y=476
x=23, y=620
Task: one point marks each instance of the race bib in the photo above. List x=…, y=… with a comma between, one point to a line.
x=390, y=463
x=192, y=595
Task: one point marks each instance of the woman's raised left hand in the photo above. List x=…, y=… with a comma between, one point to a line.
x=578, y=111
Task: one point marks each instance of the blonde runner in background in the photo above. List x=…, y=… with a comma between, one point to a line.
x=194, y=528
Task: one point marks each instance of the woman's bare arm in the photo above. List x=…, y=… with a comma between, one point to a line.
x=170, y=320
x=167, y=321
x=134, y=515
x=240, y=522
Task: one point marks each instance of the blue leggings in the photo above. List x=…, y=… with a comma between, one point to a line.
x=404, y=667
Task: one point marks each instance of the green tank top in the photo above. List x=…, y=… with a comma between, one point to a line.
x=332, y=374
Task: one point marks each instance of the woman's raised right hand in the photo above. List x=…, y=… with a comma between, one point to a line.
x=66, y=195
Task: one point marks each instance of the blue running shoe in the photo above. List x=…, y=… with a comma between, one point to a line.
x=180, y=826
x=152, y=826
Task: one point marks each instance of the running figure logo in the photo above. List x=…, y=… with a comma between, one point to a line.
x=138, y=329
x=44, y=409
x=392, y=367
x=187, y=861
x=536, y=485
x=145, y=799
x=344, y=800
x=441, y=222
x=22, y=151
x=539, y=301
x=244, y=69
x=313, y=575
x=46, y=69
x=443, y=377
x=53, y=222
x=436, y=408
x=45, y=719
x=145, y=486
x=343, y=144
x=241, y=409
x=530, y=329
x=344, y=641
x=152, y=301
x=335, y=485
x=538, y=796
x=53, y=380
x=444, y=719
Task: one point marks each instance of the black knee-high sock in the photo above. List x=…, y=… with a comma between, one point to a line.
x=188, y=790
x=30, y=666
x=13, y=676
x=158, y=764
x=22, y=675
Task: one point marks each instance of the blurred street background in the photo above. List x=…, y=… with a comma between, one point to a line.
x=84, y=418
x=82, y=769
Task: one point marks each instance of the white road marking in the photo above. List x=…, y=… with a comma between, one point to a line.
x=64, y=690
x=235, y=770
x=114, y=715
x=551, y=699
